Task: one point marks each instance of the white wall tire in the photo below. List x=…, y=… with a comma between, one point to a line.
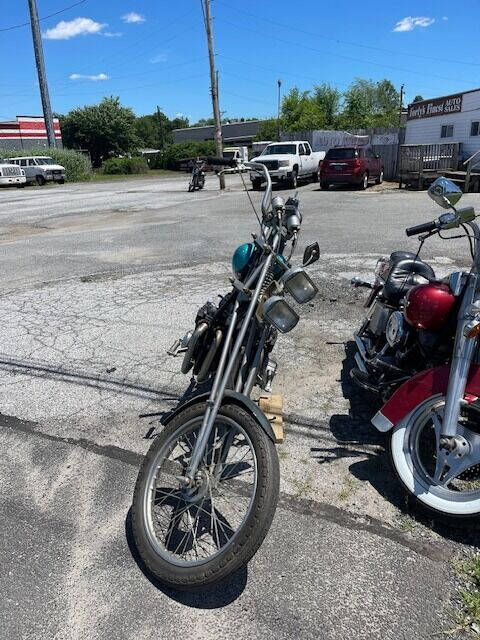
x=435, y=498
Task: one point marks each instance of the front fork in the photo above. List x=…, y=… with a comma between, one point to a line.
x=224, y=371
x=463, y=352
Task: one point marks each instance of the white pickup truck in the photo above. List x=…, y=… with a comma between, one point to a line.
x=288, y=162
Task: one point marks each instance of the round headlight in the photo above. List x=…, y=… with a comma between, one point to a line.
x=241, y=259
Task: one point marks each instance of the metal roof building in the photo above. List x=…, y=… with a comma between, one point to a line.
x=242, y=133
x=27, y=132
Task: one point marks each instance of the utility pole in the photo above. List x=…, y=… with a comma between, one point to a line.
x=213, y=85
x=401, y=106
x=278, y=110
x=42, y=75
x=400, y=138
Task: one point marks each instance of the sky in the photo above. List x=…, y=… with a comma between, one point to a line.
x=154, y=53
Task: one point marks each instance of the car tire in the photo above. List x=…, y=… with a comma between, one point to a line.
x=379, y=180
x=324, y=185
x=294, y=179
x=364, y=182
x=61, y=181
x=256, y=184
x=40, y=180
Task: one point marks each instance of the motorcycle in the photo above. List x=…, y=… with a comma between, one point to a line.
x=207, y=490
x=432, y=417
x=197, y=179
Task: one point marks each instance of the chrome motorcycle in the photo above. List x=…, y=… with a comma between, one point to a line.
x=392, y=346
x=207, y=490
x=433, y=419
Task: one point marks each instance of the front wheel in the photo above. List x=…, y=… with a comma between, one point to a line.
x=190, y=537
x=446, y=483
x=364, y=182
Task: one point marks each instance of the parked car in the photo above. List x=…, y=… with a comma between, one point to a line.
x=354, y=165
x=40, y=169
x=288, y=162
x=11, y=175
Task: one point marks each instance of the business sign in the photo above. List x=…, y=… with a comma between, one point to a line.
x=435, y=107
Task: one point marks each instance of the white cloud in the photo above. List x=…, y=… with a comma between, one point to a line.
x=409, y=23
x=444, y=17
x=133, y=17
x=80, y=76
x=77, y=27
x=160, y=57
x=114, y=34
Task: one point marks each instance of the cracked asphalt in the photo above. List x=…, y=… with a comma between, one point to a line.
x=96, y=282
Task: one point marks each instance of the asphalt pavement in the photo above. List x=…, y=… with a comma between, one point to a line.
x=97, y=281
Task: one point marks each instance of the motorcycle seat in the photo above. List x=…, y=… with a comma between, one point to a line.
x=405, y=274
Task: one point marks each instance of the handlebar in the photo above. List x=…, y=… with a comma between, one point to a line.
x=426, y=227
x=267, y=196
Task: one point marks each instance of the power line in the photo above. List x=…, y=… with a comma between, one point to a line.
x=347, y=42
x=50, y=15
x=338, y=55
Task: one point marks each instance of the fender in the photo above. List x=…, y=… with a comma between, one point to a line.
x=235, y=398
x=422, y=386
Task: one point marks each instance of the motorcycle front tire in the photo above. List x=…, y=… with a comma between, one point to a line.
x=250, y=535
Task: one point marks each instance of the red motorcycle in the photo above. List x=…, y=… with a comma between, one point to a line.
x=418, y=347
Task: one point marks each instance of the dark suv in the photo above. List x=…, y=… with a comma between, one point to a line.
x=351, y=165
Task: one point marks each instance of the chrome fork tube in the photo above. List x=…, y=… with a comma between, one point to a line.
x=221, y=379
x=463, y=349
x=462, y=357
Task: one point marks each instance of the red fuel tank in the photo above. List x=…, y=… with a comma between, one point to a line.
x=428, y=306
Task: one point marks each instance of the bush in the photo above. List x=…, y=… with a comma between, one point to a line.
x=77, y=165
x=170, y=157
x=114, y=166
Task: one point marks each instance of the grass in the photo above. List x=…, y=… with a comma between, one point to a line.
x=303, y=487
x=349, y=486
x=406, y=522
x=468, y=571
x=98, y=176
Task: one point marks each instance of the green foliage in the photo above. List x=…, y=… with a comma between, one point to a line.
x=418, y=98
x=370, y=104
x=300, y=112
x=268, y=130
x=77, y=165
x=328, y=100
x=128, y=166
x=106, y=129
x=172, y=154
x=155, y=131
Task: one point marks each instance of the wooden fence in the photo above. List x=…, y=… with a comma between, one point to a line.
x=417, y=158
x=383, y=141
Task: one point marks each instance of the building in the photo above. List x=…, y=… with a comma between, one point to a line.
x=236, y=133
x=453, y=118
x=27, y=132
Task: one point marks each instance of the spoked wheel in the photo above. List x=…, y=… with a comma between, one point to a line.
x=190, y=537
x=445, y=482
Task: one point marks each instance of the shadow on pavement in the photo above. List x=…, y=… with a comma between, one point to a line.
x=215, y=596
x=354, y=431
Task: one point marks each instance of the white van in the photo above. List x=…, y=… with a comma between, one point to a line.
x=11, y=175
x=40, y=169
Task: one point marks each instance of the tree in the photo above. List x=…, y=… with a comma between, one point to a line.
x=299, y=112
x=418, y=98
x=328, y=101
x=106, y=129
x=370, y=104
x=268, y=130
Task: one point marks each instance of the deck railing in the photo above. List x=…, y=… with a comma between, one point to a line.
x=417, y=158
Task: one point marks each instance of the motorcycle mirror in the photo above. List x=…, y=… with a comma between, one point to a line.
x=445, y=192
x=311, y=254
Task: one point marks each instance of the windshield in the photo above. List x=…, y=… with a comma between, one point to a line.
x=341, y=154
x=277, y=149
x=44, y=160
